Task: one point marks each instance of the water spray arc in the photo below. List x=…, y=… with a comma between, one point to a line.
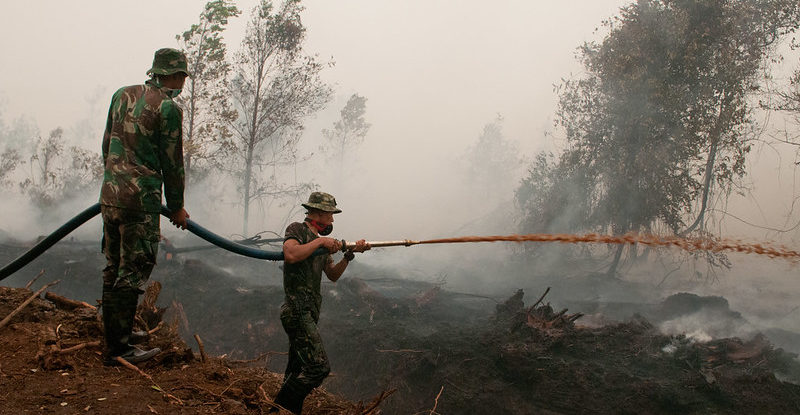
x=687, y=244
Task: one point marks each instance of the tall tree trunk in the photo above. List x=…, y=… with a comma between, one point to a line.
x=716, y=133
x=190, y=133
x=612, y=270
x=248, y=173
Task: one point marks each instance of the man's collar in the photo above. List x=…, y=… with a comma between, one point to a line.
x=311, y=227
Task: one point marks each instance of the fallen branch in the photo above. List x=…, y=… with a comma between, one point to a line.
x=264, y=394
x=259, y=357
x=399, y=351
x=28, y=285
x=130, y=366
x=26, y=302
x=557, y=316
x=377, y=401
x=156, y=328
x=66, y=303
x=436, y=401
x=269, y=401
x=540, y=298
x=79, y=347
x=203, y=356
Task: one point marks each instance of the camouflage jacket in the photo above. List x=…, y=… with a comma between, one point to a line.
x=301, y=280
x=143, y=149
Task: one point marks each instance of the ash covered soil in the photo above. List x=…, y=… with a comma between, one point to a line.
x=433, y=350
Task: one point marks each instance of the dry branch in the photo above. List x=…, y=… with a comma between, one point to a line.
x=130, y=366
x=266, y=398
x=66, y=303
x=557, y=316
x=156, y=328
x=259, y=357
x=28, y=285
x=203, y=356
x=377, y=401
x=399, y=351
x=436, y=401
x=540, y=298
x=79, y=347
x=26, y=302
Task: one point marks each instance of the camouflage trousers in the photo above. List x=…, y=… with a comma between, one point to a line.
x=130, y=243
x=308, y=363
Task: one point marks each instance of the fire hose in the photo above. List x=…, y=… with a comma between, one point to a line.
x=687, y=244
x=191, y=226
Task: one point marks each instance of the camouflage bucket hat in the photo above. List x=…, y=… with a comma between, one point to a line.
x=321, y=201
x=168, y=61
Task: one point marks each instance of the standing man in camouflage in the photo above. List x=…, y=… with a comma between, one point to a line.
x=142, y=150
x=302, y=275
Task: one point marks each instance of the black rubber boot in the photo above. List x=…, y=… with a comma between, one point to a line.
x=291, y=397
x=127, y=299
x=111, y=330
x=118, y=316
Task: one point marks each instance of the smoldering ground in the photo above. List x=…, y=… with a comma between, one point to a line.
x=408, y=180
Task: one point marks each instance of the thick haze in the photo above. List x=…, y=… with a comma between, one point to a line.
x=434, y=73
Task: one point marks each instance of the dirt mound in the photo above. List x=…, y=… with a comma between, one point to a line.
x=50, y=361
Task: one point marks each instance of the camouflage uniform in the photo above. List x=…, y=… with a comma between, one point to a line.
x=142, y=149
x=308, y=363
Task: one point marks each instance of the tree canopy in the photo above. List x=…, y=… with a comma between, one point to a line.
x=661, y=119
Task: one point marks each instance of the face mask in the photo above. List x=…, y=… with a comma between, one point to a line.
x=173, y=93
x=323, y=230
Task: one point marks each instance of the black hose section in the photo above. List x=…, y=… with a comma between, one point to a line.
x=229, y=245
x=94, y=210
x=51, y=239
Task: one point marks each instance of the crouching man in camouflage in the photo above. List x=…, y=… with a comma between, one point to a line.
x=142, y=149
x=302, y=275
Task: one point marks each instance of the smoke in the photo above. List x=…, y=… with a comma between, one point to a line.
x=433, y=83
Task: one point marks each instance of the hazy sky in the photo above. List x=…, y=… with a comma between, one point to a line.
x=434, y=73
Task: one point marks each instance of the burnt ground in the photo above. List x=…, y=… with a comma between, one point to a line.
x=455, y=353
x=50, y=362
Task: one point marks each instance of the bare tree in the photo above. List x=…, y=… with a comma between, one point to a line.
x=274, y=88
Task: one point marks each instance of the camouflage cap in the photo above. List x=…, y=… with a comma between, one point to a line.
x=321, y=201
x=168, y=61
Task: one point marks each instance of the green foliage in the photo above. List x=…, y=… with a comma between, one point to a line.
x=788, y=101
x=349, y=130
x=553, y=199
x=59, y=173
x=662, y=116
x=493, y=163
x=207, y=106
x=10, y=159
